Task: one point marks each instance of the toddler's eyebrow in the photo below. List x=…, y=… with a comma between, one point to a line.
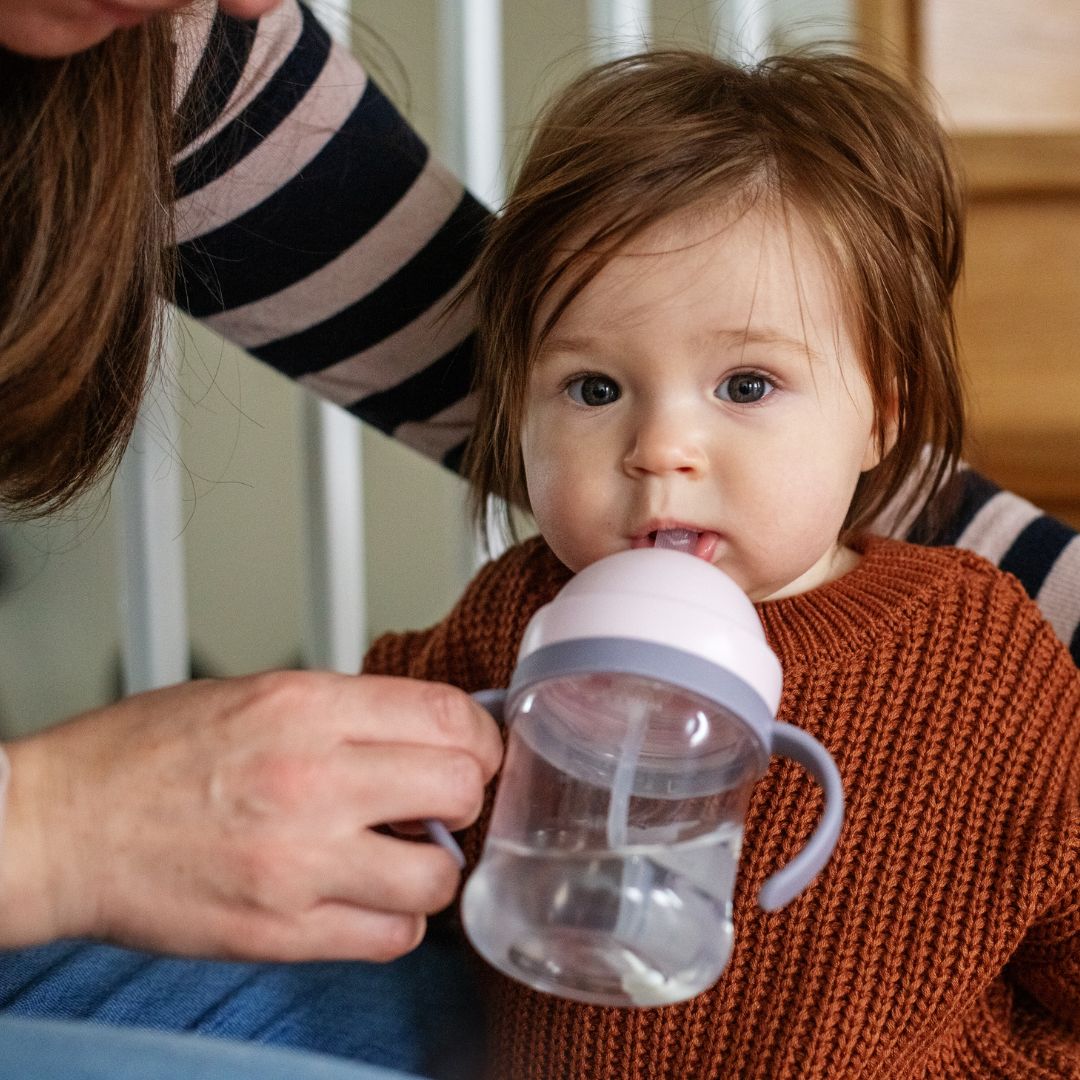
x=576, y=343
x=572, y=344
x=764, y=336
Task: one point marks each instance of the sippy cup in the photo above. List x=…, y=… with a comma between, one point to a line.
x=640, y=714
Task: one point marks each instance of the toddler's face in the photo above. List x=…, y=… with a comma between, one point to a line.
x=701, y=382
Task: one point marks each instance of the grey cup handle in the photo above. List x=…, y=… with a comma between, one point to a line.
x=787, y=883
x=492, y=700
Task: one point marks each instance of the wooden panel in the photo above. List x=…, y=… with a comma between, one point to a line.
x=1019, y=317
x=1009, y=80
x=1000, y=65
x=888, y=33
x=1021, y=164
x=1019, y=312
x=1043, y=466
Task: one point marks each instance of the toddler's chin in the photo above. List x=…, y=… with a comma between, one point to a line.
x=576, y=557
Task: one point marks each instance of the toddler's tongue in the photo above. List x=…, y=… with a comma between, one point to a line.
x=677, y=539
x=701, y=544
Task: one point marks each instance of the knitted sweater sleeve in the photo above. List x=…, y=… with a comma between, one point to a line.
x=475, y=646
x=1035, y=695
x=315, y=229
x=1047, y=965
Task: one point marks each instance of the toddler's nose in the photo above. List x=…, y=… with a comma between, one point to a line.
x=665, y=443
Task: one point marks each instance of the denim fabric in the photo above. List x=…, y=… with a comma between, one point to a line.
x=62, y=1050
x=419, y=1014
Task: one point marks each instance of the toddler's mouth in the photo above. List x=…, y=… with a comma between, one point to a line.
x=700, y=543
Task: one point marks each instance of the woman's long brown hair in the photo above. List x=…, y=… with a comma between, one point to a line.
x=85, y=249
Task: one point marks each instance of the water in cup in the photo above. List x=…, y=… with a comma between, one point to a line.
x=610, y=879
x=644, y=925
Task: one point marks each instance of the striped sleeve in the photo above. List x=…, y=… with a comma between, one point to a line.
x=1042, y=552
x=316, y=230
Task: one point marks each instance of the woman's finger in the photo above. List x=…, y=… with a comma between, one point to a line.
x=390, y=783
x=388, y=873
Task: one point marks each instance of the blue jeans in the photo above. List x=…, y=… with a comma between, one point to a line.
x=419, y=1014
x=63, y=1050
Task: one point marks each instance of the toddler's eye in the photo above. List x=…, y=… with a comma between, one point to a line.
x=744, y=388
x=593, y=390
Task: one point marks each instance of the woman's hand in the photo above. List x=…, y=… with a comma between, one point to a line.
x=235, y=818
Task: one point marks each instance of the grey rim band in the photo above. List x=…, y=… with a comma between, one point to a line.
x=631, y=656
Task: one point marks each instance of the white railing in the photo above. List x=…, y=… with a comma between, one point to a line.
x=152, y=591
x=333, y=514
x=471, y=60
x=619, y=27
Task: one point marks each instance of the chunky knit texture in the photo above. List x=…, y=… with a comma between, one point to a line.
x=943, y=938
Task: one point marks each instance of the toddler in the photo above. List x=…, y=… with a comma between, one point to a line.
x=719, y=301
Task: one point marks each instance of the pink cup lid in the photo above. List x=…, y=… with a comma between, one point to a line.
x=668, y=598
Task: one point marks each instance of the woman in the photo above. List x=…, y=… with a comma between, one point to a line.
x=232, y=819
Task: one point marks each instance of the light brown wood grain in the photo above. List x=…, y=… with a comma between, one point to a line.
x=1031, y=164
x=888, y=33
x=1018, y=311
x=1008, y=77
x=1000, y=65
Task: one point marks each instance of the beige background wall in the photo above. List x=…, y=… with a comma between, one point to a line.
x=239, y=422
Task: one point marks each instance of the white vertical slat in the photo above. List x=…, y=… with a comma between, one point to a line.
x=471, y=60
x=753, y=28
x=153, y=607
x=332, y=500
x=471, y=68
x=335, y=630
x=619, y=27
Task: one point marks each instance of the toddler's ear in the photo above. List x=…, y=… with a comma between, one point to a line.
x=875, y=452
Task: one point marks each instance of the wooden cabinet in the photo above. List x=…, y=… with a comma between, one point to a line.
x=1008, y=80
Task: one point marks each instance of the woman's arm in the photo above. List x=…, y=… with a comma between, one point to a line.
x=316, y=230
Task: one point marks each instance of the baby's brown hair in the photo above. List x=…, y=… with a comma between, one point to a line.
x=851, y=149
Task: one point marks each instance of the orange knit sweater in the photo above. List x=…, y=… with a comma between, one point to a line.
x=943, y=938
